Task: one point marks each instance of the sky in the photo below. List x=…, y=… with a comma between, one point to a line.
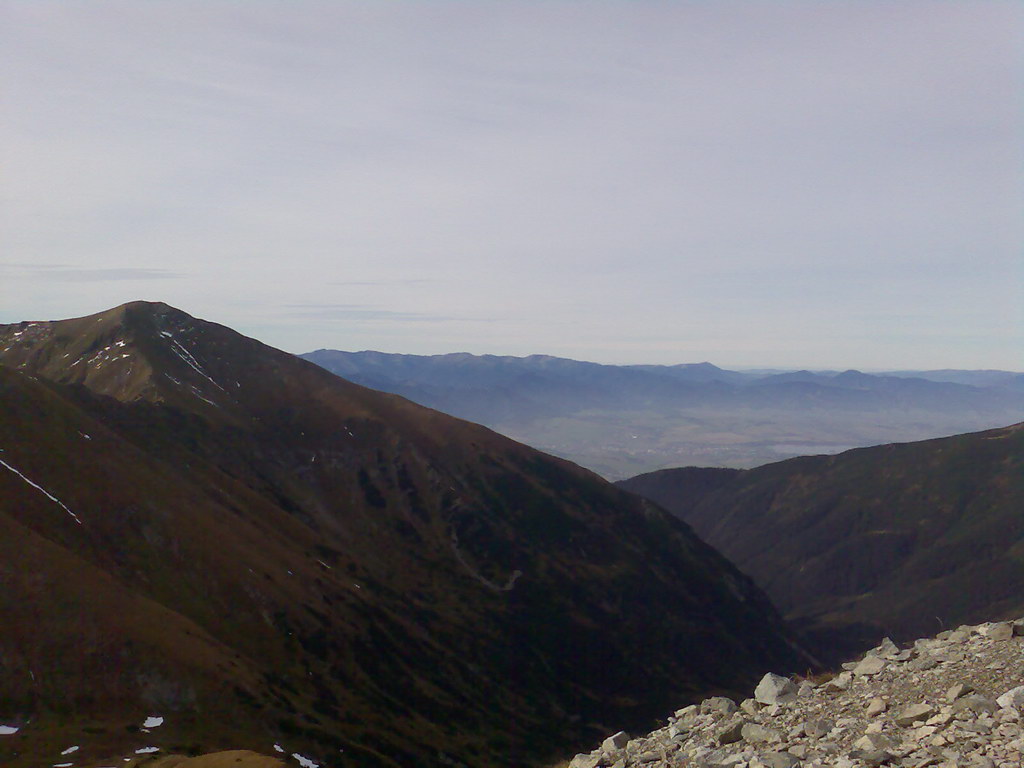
x=787, y=184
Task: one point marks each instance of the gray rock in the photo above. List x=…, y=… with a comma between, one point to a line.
x=914, y=713
x=974, y=702
x=718, y=704
x=871, y=742
x=876, y=707
x=817, y=727
x=958, y=690
x=750, y=706
x=615, y=742
x=1012, y=698
x=586, y=761
x=840, y=682
x=871, y=665
x=780, y=760
x=886, y=649
x=1000, y=631
x=731, y=732
x=922, y=663
x=775, y=689
x=872, y=758
x=755, y=733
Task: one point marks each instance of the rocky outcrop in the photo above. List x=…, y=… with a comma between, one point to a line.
x=952, y=701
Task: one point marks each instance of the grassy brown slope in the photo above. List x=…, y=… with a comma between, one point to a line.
x=387, y=580
x=902, y=539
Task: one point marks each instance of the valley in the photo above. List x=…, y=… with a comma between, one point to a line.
x=621, y=421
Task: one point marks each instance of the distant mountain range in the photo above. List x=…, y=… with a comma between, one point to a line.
x=897, y=540
x=199, y=527
x=622, y=420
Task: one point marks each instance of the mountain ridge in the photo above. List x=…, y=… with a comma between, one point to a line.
x=337, y=568
x=891, y=540
x=622, y=420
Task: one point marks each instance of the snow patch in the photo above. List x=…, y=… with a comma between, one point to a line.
x=153, y=722
x=62, y=765
x=40, y=488
x=195, y=391
x=69, y=750
x=185, y=355
x=147, y=750
x=278, y=748
x=8, y=730
x=305, y=762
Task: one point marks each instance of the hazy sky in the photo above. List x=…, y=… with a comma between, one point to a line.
x=820, y=184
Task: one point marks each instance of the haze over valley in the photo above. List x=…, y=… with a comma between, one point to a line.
x=624, y=420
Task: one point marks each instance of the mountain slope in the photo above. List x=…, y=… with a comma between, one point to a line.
x=895, y=540
x=622, y=420
x=200, y=525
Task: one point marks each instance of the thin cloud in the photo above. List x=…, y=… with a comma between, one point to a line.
x=362, y=312
x=66, y=273
x=380, y=283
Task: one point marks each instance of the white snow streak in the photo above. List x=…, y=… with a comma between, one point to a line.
x=69, y=750
x=8, y=730
x=185, y=355
x=153, y=722
x=49, y=495
x=305, y=762
x=146, y=750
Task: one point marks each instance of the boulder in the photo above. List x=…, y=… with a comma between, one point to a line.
x=871, y=742
x=974, y=702
x=775, y=689
x=871, y=665
x=1012, y=698
x=731, y=732
x=876, y=707
x=780, y=760
x=718, y=704
x=615, y=742
x=913, y=714
x=756, y=733
x=817, y=727
x=958, y=690
x=999, y=632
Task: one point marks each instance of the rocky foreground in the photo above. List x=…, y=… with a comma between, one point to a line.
x=953, y=701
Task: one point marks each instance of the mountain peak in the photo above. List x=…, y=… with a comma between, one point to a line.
x=140, y=350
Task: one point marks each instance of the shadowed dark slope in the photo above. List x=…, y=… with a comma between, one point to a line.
x=901, y=539
x=265, y=552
